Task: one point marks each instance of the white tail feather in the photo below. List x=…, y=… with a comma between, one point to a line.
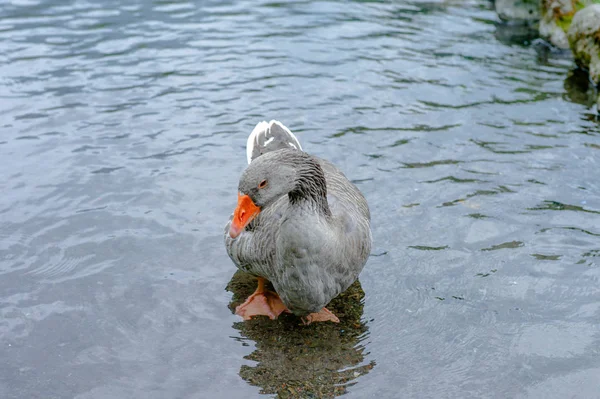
x=259, y=128
x=264, y=129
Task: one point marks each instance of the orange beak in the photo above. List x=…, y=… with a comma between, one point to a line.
x=244, y=213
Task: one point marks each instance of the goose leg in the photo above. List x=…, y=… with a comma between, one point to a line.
x=323, y=315
x=261, y=303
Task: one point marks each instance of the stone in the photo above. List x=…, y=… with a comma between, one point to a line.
x=518, y=10
x=584, y=40
x=556, y=19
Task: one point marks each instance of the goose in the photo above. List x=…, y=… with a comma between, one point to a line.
x=299, y=224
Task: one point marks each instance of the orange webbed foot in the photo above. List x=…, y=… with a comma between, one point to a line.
x=323, y=315
x=261, y=303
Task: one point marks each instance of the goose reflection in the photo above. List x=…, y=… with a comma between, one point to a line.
x=295, y=361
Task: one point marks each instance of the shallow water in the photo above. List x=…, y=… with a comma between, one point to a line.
x=123, y=132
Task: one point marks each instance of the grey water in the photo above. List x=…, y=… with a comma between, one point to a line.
x=122, y=137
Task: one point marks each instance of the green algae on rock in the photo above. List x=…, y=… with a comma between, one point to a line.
x=584, y=40
x=556, y=19
x=518, y=10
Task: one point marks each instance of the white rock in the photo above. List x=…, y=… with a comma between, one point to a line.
x=584, y=39
x=518, y=10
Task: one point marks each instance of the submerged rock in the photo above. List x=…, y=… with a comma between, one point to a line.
x=584, y=39
x=522, y=34
x=557, y=16
x=518, y=10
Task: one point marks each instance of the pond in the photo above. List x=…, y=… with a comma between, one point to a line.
x=124, y=127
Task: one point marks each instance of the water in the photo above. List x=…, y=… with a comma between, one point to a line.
x=123, y=132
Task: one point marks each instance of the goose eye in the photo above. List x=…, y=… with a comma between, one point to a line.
x=262, y=184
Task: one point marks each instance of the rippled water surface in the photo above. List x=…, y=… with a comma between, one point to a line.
x=123, y=126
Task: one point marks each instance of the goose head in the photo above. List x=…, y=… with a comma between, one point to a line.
x=264, y=181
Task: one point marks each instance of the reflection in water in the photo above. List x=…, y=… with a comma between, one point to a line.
x=516, y=34
x=293, y=360
x=578, y=88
